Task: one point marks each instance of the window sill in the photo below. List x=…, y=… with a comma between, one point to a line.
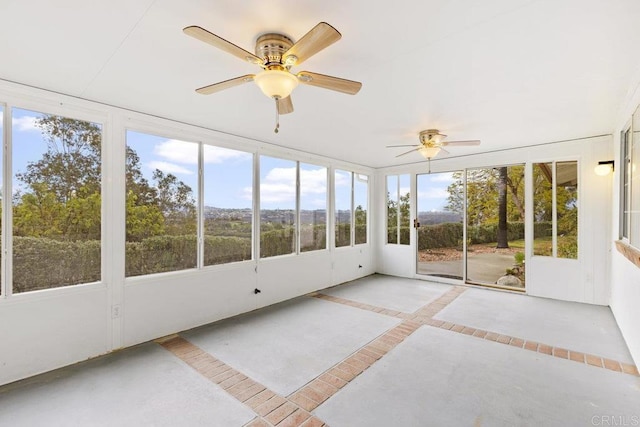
x=629, y=252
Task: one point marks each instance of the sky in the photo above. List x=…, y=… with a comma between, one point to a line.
x=227, y=172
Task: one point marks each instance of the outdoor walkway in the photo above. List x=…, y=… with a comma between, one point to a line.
x=380, y=351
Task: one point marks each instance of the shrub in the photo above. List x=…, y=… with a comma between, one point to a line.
x=42, y=263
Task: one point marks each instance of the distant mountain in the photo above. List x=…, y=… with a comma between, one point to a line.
x=430, y=218
x=271, y=215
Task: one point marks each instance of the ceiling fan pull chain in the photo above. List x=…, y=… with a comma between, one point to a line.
x=276, y=130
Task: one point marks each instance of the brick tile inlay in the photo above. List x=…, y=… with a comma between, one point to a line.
x=296, y=409
x=272, y=409
x=424, y=316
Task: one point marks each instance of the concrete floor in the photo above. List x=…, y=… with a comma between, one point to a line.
x=481, y=268
x=390, y=339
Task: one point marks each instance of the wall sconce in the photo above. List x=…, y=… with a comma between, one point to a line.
x=604, y=167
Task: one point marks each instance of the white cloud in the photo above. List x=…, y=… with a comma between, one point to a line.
x=187, y=152
x=433, y=193
x=313, y=181
x=343, y=179
x=404, y=190
x=177, y=151
x=441, y=177
x=279, y=186
x=220, y=155
x=168, y=167
x=25, y=123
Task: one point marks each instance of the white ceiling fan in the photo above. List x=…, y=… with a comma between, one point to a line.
x=432, y=142
x=276, y=54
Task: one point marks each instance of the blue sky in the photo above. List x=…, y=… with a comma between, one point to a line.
x=228, y=173
x=432, y=191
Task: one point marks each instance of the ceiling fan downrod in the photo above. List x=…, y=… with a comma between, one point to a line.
x=277, y=129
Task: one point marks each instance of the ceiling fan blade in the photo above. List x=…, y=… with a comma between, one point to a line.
x=328, y=82
x=403, y=145
x=285, y=106
x=442, y=150
x=217, y=87
x=216, y=41
x=462, y=143
x=410, y=151
x=318, y=38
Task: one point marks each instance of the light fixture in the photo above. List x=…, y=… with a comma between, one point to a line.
x=604, y=167
x=275, y=83
x=429, y=152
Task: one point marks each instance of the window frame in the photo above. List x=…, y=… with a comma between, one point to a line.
x=70, y=111
x=352, y=231
x=554, y=207
x=625, y=183
x=398, y=212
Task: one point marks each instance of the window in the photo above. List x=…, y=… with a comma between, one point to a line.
x=398, y=209
x=228, y=205
x=361, y=203
x=634, y=182
x=277, y=207
x=343, y=186
x=2, y=284
x=56, y=201
x=161, y=185
x=313, y=207
x=555, y=198
x=543, y=209
x=625, y=181
x=351, y=199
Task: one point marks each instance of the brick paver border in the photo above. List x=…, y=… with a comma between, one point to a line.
x=296, y=409
x=425, y=316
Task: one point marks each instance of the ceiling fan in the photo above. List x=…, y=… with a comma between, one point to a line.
x=276, y=54
x=432, y=143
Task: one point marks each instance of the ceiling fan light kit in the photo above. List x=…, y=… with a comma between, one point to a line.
x=276, y=54
x=429, y=152
x=432, y=143
x=276, y=84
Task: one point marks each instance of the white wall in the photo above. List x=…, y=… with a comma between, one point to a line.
x=44, y=330
x=625, y=276
x=584, y=280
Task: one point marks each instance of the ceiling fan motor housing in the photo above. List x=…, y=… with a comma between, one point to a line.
x=271, y=47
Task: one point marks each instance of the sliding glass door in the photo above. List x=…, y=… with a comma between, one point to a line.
x=495, y=226
x=489, y=247
x=440, y=235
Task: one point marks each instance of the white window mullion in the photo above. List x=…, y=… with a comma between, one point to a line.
x=200, y=207
x=353, y=211
x=7, y=211
x=398, y=221
x=297, y=214
x=554, y=210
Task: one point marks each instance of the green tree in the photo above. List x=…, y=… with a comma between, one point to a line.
x=176, y=202
x=143, y=220
x=361, y=215
x=502, y=240
x=486, y=188
x=72, y=160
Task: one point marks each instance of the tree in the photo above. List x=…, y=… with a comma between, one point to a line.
x=486, y=188
x=175, y=201
x=61, y=198
x=502, y=238
x=361, y=215
x=72, y=160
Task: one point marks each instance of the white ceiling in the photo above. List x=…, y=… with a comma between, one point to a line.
x=508, y=72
